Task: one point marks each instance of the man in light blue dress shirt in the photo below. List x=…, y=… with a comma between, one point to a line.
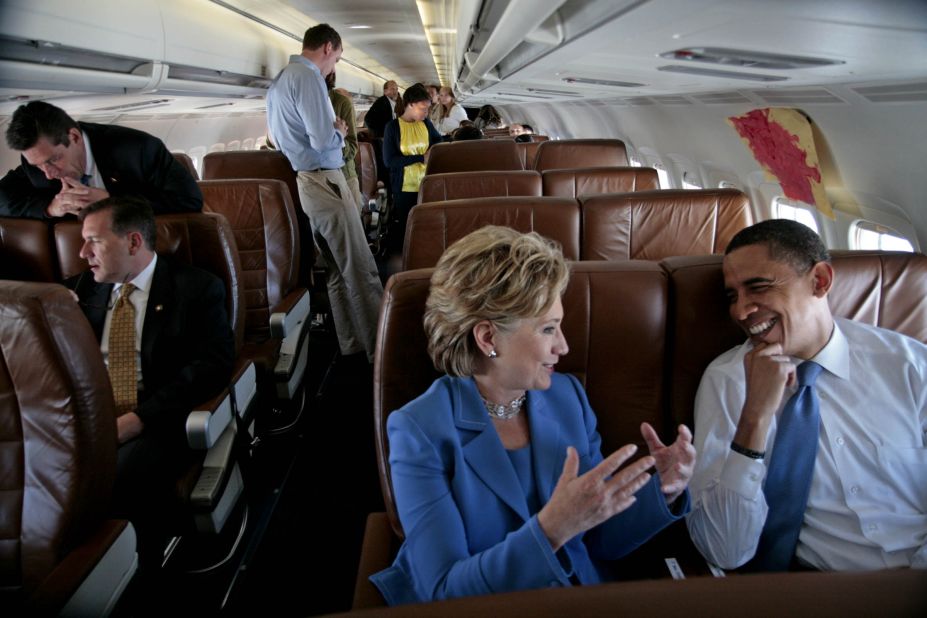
x=304, y=126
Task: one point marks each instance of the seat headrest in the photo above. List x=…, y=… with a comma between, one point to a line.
x=473, y=156
x=571, y=153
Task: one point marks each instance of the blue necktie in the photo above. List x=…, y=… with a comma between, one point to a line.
x=788, y=480
x=85, y=179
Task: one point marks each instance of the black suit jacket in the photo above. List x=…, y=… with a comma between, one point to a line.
x=188, y=348
x=378, y=115
x=130, y=162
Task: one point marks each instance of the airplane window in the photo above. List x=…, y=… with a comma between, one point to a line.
x=635, y=162
x=196, y=155
x=726, y=184
x=233, y=145
x=220, y=147
x=784, y=208
x=260, y=142
x=690, y=182
x=248, y=144
x=869, y=235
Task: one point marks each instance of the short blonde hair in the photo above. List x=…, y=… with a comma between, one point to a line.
x=495, y=274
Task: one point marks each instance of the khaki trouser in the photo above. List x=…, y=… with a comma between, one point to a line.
x=354, y=186
x=354, y=288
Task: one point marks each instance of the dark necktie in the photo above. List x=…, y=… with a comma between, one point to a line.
x=85, y=179
x=122, y=371
x=788, y=480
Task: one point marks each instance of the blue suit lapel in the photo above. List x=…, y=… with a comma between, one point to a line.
x=484, y=452
x=548, y=450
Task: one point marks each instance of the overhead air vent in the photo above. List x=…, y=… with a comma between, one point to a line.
x=602, y=82
x=559, y=93
x=133, y=107
x=757, y=77
x=671, y=100
x=899, y=93
x=798, y=97
x=521, y=94
x=746, y=58
x=719, y=98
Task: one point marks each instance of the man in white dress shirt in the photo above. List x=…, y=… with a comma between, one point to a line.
x=867, y=507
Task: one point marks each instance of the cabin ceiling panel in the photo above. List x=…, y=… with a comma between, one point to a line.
x=867, y=37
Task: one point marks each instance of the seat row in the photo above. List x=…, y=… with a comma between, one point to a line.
x=571, y=182
x=612, y=226
x=487, y=154
x=641, y=333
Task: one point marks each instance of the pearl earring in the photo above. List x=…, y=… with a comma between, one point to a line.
x=492, y=354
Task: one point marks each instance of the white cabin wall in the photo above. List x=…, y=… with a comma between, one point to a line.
x=879, y=148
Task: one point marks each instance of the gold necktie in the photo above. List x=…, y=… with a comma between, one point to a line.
x=122, y=372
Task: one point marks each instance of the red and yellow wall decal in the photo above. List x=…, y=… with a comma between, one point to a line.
x=782, y=141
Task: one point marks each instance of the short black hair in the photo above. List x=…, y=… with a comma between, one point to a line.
x=318, y=36
x=413, y=94
x=788, y=241
x=38, y=119
x=466, y=132
x=129, y=214
x=527, y=127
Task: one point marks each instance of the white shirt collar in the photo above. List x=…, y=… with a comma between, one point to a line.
x=142, y=280
x=835, y=356
x=90, y=165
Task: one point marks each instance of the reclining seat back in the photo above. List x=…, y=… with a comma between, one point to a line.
x=615, y=325
x=57, y=444
x=263, y=222
x=366, y=163
x=270, y=165
x=652, y=225
x=527, y=152
x=187, y=163
x=276, y=306
x=596, y=180
x=25, y=250
x=573, y=153
x=878, y=288
x=473, y=156
x=467, y=185
x=433, y=227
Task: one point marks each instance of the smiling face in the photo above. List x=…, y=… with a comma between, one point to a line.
x=774, y=303
x=63, y=160
x=526, y=356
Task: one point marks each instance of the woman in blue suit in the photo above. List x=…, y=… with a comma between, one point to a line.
x=497, y=471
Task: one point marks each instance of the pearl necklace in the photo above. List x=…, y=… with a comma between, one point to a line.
x=504, y=411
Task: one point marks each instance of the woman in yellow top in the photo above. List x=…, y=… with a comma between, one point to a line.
x=405, y=141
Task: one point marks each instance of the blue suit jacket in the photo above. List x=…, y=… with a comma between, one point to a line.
x=467, y=526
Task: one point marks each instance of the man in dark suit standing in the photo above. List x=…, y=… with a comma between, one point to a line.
x=67, y=165
x=179, y=352
x=383, y=109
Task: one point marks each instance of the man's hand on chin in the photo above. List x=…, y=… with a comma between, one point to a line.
x=128, y=426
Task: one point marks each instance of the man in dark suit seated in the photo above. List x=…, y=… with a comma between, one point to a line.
x=168, y=346
x=67, y=165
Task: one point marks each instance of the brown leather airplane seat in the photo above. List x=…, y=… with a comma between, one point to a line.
x=187, y=163
x=25, y=250
x=473, y=156
x=465, y=185
x=433, y=227
x=573, y=153
x=586, y=181
x=58, y=451
x=652, y=225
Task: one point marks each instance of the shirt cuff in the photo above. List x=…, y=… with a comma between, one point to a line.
x=558, y=562
x=743, y=475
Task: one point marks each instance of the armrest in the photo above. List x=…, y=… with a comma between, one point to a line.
x=244, y=389
x=208, y=421
x=113, y=539
x=379, y=547
x=219, y=485
x=290, y=314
